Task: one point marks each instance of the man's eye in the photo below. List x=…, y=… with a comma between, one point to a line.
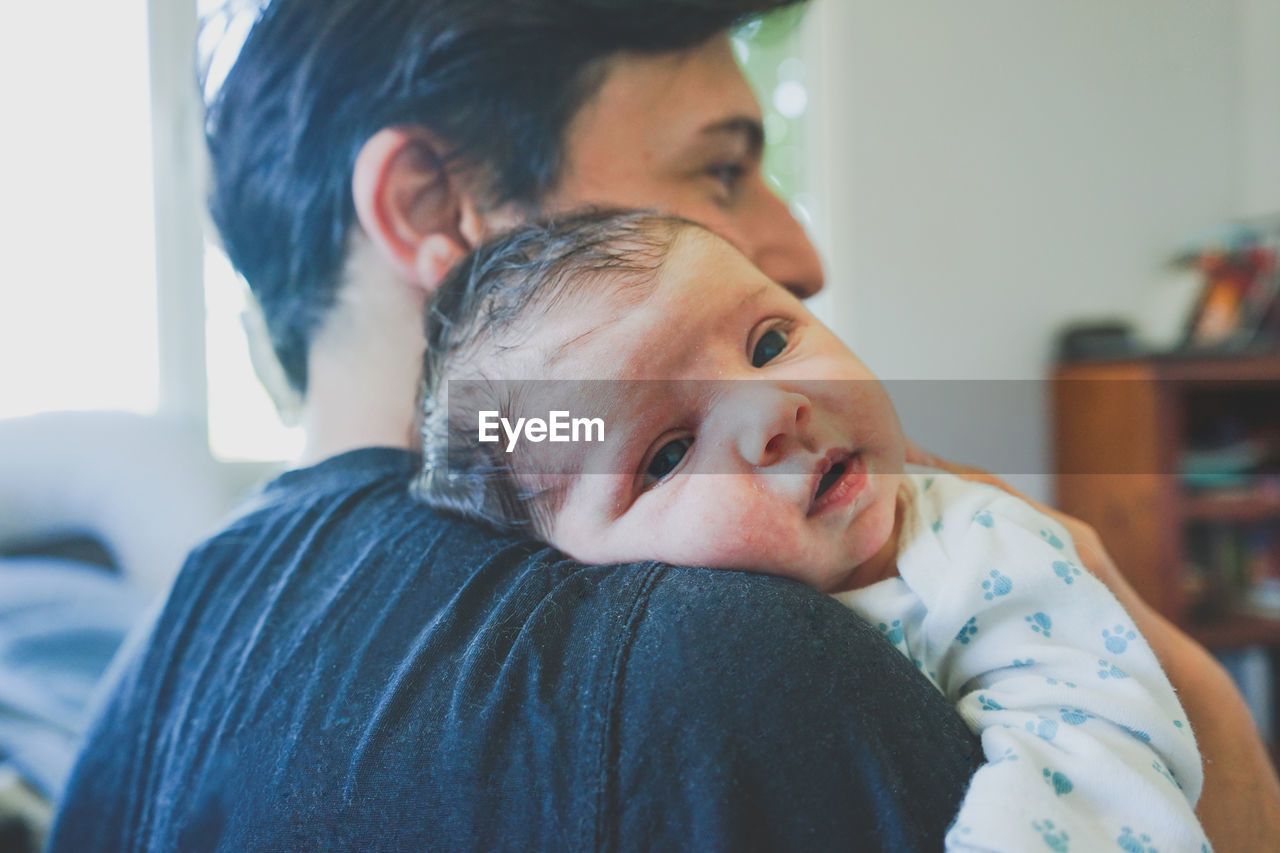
x=769, y=347
x=729, y=175
x=667, y=459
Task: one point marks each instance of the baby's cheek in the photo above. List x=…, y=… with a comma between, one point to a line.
x=736, y=532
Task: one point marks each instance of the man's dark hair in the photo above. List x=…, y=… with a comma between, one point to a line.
x=483, y=309
x=496, y=80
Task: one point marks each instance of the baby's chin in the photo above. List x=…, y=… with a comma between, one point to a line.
x=873, y=552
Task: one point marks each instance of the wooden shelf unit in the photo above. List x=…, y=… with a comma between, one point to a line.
x=1120, y=428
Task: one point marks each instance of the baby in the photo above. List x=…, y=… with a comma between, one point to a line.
x=723, y=426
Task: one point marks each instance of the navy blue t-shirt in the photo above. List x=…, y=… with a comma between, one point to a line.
x=343, y=669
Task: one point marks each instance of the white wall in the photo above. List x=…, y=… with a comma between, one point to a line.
x=1258, y=34
x=993, y=169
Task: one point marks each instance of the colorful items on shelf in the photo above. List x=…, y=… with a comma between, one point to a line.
x=1239, y=305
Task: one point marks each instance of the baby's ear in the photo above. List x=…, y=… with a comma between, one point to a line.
x=412, y=207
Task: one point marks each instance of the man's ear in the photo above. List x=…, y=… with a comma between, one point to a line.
x=411, y=207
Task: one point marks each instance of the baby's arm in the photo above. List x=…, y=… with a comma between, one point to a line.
x=1086, y=743
x=1240, y=804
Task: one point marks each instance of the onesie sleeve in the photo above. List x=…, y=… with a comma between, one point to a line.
x=1086, y=743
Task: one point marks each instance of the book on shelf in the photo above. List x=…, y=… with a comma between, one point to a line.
x=1234, y=566
x=1250, y=668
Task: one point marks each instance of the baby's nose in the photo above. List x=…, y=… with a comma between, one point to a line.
x=772, y=423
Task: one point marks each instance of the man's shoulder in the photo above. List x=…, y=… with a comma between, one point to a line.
x=354, y=507
x=341, y=650
x=770, y=636
x=784, y=721
x=364, y=509
x=738, y=607
x=363, y=515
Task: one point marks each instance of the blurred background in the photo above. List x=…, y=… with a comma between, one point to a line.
x=993, y=171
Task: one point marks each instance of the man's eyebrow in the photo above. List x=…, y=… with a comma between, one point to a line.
x=746, y=126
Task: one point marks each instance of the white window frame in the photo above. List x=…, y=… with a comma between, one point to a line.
x=179, y=164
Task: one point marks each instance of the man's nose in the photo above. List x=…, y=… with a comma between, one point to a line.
x=771, y=423
x=781, y=249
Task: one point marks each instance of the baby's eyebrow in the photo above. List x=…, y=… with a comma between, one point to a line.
x=546, y=502
x=755, y=295
x=564, y=348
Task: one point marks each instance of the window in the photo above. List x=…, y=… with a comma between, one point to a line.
x=778, y=56
x=770, y=51
x=244, y=422
x=77, y=286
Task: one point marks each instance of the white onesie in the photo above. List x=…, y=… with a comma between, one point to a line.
x=1087, y=747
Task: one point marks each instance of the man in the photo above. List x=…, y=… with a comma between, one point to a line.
x=342, y=669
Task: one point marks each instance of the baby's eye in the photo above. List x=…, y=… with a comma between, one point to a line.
x=667, y=459
x=769, y=347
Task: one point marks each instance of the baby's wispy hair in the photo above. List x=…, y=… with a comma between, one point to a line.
x=484, y=309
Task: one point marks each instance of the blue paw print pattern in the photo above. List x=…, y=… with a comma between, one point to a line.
x=1138, y=734
x=998, y=585
x=933, y=676
x=1067, y=571
x=1118, y=639
x=892, y=633
x=1007, y=755
x=1177, y=724
x=937, y=525
x=984, y=518
x=1061, y=784
x=989, y=704
x=1110, y=670
x=1054, y=838
x=1074, y=716
x=1043, y=729
x=928, y=484
x=1166, y=773
x=970, y=628
x=1051, y=538
x=1018, y=664
x=1040, y=623
x=1130, y=843
x=1053, y=682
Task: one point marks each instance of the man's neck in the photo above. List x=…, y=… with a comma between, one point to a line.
x=363, y=373
x=345, y=415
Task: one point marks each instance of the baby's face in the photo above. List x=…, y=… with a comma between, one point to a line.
x=784, y=456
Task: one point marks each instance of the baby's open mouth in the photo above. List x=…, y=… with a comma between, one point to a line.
x=840, y=476
x=829, y=479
